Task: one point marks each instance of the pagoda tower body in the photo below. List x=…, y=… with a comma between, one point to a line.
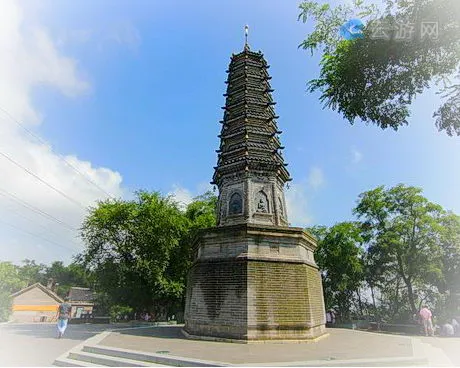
x=253, y=276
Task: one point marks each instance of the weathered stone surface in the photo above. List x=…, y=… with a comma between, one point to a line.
x=253, y=278
x=250, y=171
x=254, y=282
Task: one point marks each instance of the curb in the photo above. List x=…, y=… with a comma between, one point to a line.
x=92, y=340
x=252, y=342
x=377, y=362
x=171, y=360
x=91, y=345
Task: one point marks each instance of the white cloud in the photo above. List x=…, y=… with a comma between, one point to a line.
x=29, y=58
x=316, y=178
x=357, y=156
x=297, y=197
x=101, y=37
x=297, y=205
x=125, y=34
x=182, y=195
x=205, y=187
x=75, y=36
x=185, y=196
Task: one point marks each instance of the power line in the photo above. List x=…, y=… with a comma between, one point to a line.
x=35, y=222
x=35, y=209
x=43, y=181
x=37, y=236
x=85, y=176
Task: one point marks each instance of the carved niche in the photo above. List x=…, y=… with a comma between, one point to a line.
x=235, y=204
x=261, y=202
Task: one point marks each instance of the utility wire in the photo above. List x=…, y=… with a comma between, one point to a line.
x=36, y=223
x=35, y=209
x=37, y=236
x=43, y=181
x=85, y=176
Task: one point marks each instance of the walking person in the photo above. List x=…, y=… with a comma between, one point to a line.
x=63, y=315
x=425, y=316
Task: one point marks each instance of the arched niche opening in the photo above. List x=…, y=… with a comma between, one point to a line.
x=235, y=204
x=262, y=205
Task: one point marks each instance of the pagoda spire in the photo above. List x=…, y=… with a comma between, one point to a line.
x=252, y=278
x=246, y=32
x=250, y=148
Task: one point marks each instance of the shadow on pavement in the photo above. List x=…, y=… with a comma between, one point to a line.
x=165, y=332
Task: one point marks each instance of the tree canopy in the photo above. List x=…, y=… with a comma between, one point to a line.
x=377, y=77
x=64, y=277
x=339, y=259
x=401, y=251
x=402, y=227
x=10, y=282
x=139, y=250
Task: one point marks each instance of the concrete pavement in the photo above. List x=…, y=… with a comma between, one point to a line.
x=35, y=344
x=341, y=345
x=449, y=345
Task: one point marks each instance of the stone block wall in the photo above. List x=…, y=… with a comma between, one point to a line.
x=285, y=301
x=255, y=283
x=217, y=299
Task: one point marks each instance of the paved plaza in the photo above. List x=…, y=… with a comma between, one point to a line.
x=32, y=345
x=339, y=345
x=36, y=345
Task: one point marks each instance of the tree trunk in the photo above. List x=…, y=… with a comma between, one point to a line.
x=360, y=304
x=396, y=301
x=410, y=293
x=373, y=301
x=408, y=283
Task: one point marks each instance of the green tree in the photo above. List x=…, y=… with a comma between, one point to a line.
x=339, y=256
x=139, y=251
x=450, y=250
x=202, y=211
x=200, y=214
x=318, y=231
x=67, y=276
x=130, y=245
x=118, y=312
x=376, y=80
x=10, y=282
x=403, y=229
x=31, y=272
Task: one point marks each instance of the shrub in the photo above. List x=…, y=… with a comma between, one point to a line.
x=118, y=312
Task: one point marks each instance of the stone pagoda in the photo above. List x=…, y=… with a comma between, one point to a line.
x=253, y=277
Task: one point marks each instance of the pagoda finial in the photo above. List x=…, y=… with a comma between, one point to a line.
x=246, y=31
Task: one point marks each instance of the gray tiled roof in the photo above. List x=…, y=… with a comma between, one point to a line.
x=81, y=294
x=249, y=136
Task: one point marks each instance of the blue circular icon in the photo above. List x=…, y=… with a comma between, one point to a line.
x=352, y=30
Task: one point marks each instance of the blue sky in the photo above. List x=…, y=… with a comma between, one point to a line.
x=150, y=95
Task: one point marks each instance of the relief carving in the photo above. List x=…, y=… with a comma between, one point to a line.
x=280, y=204
x=262, y=202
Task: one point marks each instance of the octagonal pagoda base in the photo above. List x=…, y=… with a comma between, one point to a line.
x=253, y=282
